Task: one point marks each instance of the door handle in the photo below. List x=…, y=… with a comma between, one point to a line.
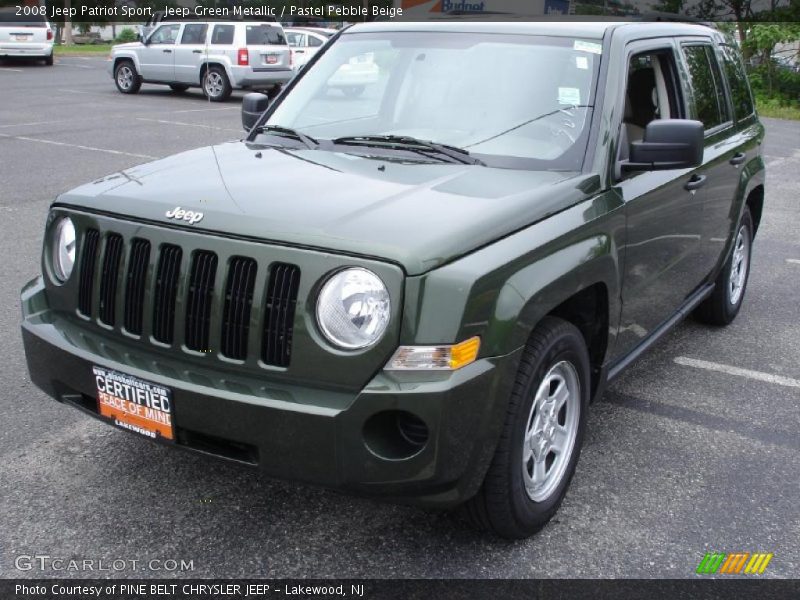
x=197, y=51
x=167, y=51
x=299, y=51
x=695, y=183
x=738, y=158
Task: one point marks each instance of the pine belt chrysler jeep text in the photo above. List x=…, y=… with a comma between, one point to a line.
x=413, y=292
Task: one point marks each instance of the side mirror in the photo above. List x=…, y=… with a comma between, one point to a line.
x=667, y=144
x=253, y=105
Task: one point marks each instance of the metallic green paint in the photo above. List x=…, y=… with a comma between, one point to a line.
x=463, y=250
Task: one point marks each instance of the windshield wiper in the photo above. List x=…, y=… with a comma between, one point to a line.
x=405, y=142
x=290, y=133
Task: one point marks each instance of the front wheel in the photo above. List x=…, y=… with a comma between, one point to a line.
x=216, y=85
x=724, y=303
x=126, y=77
x=542, y=435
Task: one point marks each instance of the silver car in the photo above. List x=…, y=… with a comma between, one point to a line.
x=217, y=56
x=25, y=36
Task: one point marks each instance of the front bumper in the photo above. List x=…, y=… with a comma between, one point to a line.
x=293, y=432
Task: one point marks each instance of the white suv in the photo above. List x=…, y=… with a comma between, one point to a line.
x=216, y=56
x=25, y=36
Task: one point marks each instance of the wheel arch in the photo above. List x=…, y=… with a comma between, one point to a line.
x=214, y=63
x=127, y=58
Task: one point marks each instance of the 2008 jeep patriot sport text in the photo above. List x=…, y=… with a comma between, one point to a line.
x=415, y=291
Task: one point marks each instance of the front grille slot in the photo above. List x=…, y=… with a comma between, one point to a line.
x=201, y=294
x=91, y=241
x=134, y=291
x=238, y=302
x=109, y=278
x=166, y=288
x=281, y=302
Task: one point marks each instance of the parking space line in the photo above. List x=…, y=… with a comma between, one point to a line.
x=206, y=109
x=8, y=69
x=165, y=122
x=31, y=124
x=739, y=372
x=793, y=261
x=78, y=146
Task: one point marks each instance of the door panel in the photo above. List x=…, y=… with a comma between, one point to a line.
x=157, y=59
x=662, y=251
x=190, y=53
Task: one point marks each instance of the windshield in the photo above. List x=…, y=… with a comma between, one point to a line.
x=512, y=101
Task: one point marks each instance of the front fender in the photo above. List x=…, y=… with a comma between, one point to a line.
x=502, y=291
x=127, y=54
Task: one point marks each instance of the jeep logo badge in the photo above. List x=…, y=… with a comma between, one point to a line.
x=179, y=214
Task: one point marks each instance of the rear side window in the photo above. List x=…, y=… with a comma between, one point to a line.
x=314, y=42
x=737, y=80
x=194, y=33
x=265, y=35
x=707, y=87
x=223, y=34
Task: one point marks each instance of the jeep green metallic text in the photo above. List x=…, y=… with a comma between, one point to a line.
x=414, y=286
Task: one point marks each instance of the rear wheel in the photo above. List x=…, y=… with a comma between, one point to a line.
x=178, y=87
x=48, y=60
x=126, y=77
x=724, y=303
x=542, y=435
x=216, y=85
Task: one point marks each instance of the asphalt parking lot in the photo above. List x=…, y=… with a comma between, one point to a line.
x=695, y=449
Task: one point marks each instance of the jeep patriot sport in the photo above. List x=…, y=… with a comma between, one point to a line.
x=414, y=292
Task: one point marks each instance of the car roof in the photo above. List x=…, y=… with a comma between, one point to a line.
x=323, y=31
x=579, y=29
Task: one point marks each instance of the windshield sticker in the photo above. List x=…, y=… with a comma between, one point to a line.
x=583, y=46
x=582, y=62
x=569, y=95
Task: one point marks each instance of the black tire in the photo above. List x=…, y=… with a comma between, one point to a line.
x=48, y=60
x=353, y=91
x=126, y=78
x=178, y=88
x=216, y=85
x=722, y=306
x=503, y=505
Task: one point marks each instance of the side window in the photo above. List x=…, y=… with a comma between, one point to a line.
x=737, y=80
x=166, y=34
x=295, y=40
x=314, y=42
x=707, y=87
x=223, y=34
x=651, y=91
x=194, y=33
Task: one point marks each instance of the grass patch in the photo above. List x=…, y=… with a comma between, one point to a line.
x=776, y=111
x=76, y=49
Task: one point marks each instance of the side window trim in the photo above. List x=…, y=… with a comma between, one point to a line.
x=728, y=123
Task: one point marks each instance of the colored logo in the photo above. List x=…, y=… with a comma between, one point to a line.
x=736, y=563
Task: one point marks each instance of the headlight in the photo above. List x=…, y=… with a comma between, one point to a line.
x=353, y=308
x=63, y=249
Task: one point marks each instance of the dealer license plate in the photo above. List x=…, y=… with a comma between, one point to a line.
x=134, y=404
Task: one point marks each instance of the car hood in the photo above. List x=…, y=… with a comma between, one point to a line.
x=417, y=215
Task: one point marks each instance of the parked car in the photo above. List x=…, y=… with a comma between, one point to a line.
x=217, y=56
x=305, y=42
x=29, y=36
x=417, y=293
